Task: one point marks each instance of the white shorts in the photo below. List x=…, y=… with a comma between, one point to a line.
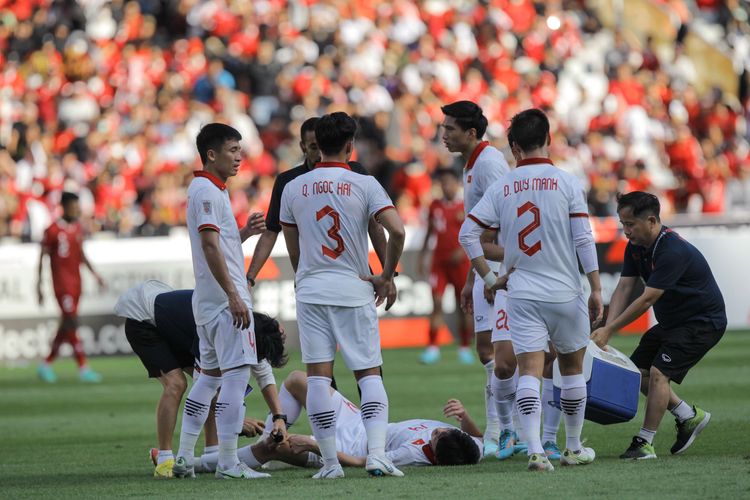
x=500, y=328
x=354, y=329
x=224, y=346
x=483, y=314
x=533, y=323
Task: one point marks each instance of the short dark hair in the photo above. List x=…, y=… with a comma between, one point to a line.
x=642, y=204
x=529, y=129
x=268, y=340
x=67, y=197
x=213, y=136
x=456, y=447
x=468, y=115
x=308, y=126
x=333, y=131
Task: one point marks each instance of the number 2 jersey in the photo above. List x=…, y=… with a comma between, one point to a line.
x=331, y=206
x=533, y=205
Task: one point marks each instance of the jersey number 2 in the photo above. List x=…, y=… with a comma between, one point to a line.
x=333, y=231
x=529, y=250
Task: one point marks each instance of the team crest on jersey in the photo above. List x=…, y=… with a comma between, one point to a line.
x=418, y=442
x=468, y=179
x=206, y=207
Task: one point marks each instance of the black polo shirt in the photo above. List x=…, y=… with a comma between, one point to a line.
x=677, y=267
x=284, y=178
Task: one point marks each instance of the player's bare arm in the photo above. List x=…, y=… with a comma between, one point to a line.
x=97, y=276
x=39, y=294
x=384, y=287
x=218, y=266
x=470, y=239
x=639, y=306
x=492, y=251
x=256, y=224
x=422, y=258
x=467, y=299
x=291, y=237
x=252, y=427
x=378, y=239
x=262, y=251
x=271, y=395
x=454, y=408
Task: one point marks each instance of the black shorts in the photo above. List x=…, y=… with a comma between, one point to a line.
x=156, y=354
x=674, y=351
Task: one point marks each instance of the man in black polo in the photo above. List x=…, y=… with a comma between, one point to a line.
x=273, y=227
x=689, y=310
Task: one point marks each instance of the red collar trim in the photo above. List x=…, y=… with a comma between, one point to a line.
x=211, y=177
x=475, y=154
x=427, y=450
x=533, y=161
x=332, y=164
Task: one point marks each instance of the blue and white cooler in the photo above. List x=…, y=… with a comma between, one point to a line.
x=612, y=385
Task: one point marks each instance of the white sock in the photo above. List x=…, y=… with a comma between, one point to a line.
x=530, y=411
x=245, y=454
x=207, y=462
x=573, y=405
x=683, y=411
x=647, y=435
x=229, y=412
x=289, y=406
x=550, y=414
x=322, y=417
x=504, y=391
x=163, y=456
x=492, y=430
x=374, y=413
x=195, y=412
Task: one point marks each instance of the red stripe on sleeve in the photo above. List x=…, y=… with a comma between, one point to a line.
x=287, y=224
x=211, y=227
x=579, y=215
x=479, y=222
x=383, y=210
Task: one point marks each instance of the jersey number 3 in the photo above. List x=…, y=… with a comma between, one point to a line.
x=333, y=232
x=525, y=248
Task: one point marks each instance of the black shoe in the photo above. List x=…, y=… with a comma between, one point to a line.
x=689, y=429
x=639, y=449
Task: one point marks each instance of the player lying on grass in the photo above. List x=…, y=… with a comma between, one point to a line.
x=160, y=327
x=411, y=442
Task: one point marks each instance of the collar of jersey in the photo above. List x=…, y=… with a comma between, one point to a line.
x=475, y=154
x=427, y=450
x=533, y=161
x=211, y=177
x=332, y=164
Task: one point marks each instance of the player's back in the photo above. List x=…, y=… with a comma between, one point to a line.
x=331, y=207
x=447, y=217
x=537, y=202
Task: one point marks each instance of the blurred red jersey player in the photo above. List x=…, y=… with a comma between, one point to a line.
x=449, y=265
x=63, y=242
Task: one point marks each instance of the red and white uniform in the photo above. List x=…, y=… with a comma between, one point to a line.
x=63, y=241
x=330, y=206
x=486, y=165
x=533, y=206
x=446, y=217
x=221, y=344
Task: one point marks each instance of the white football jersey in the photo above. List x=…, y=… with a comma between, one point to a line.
x=533, y=205
x=137, y=302
x=486, y=165
x=208, y=209
x=331, y=207
x=408, y=442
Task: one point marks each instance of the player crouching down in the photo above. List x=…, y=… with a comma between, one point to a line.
x=411, y=442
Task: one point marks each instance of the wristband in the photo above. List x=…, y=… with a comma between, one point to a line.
x=489, y=279
x=279, y=416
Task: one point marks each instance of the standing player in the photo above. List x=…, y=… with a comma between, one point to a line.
x=221, y=305
x=689, y=309
x=325, y=214
x=541, y=212
x=449, y=263
x=63, y=242
x=268, y=238
x=463, y=129
x=160, y=326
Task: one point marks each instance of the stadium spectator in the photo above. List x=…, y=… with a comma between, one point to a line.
x=63, y=243
x=689, y=309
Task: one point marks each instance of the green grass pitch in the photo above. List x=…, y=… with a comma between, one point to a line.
x=71, y=440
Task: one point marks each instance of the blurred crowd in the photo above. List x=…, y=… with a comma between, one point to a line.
x=105, y=97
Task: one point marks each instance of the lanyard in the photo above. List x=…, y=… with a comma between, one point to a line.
x=656, y=244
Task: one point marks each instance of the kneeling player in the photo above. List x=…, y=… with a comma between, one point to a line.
x=411, y=442
x=161, y=330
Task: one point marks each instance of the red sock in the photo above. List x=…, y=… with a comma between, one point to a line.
x=465, y=337
x=77, y=348
x=432, y=336
x=60, y=337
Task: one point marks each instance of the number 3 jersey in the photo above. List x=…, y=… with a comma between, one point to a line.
x=330, y=206
x=533, y=205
